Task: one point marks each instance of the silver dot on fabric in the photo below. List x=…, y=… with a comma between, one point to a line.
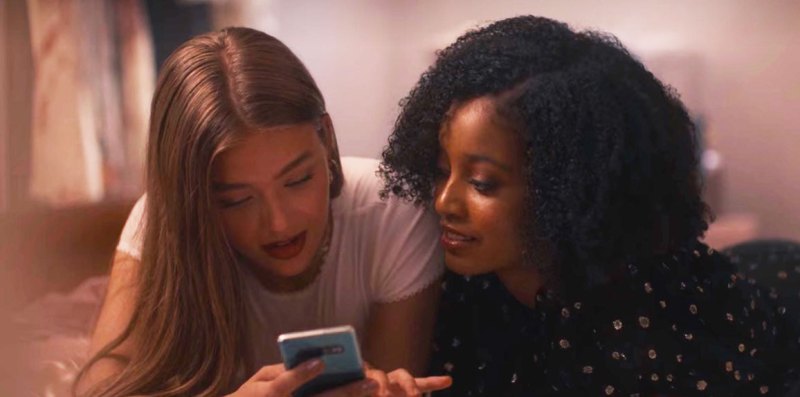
x=648, y=288
x=700, y=289
x=783, y=275
x=696, y=253
x=737, y=375
x=688, y=336
x=728, y=366
x=710, y=251
x=615, y=355
x=663, y=304
x=674, y=327
x=693, y=309
x=679, y=358
x=609, y=390
x=669, y=377
x=485, y=284
x=652, y=354
x=729, y=316
x=514, y=377
x=782, y=310
x=644, y=322
x=753, y=352
x=750, y=376
x=577, y=306
x=617, y=325
x=481, y=366
x=741, y=348
x=682, y=285
x=448, y=367
x=654, y=377
x=565, y=312
x=701, y=385
x=455, y=342
x=763, y=389
x=588, y=369
x=564, y=344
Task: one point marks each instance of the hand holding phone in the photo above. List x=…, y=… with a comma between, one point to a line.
x=276, y=381
x=336, y=347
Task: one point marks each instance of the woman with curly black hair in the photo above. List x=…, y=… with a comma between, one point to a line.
x=566, y=179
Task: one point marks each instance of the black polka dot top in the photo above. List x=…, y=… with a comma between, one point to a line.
x=686, y=324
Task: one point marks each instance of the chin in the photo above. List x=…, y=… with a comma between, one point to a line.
x=466, y=267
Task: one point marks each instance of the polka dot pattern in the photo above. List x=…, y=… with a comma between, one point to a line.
x=690, y=323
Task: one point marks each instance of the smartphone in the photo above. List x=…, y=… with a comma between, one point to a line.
x=336, y=347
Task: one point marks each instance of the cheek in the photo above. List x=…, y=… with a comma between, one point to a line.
x=500, y=220
x=311, y=204
x=240, y=229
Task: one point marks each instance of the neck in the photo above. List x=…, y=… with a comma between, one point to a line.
x=284, y=285
x=523, y=282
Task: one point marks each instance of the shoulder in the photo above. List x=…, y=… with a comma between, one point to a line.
x=361, y=194
x=361, y=184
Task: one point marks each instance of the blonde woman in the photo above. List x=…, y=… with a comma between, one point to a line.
x=253, y=226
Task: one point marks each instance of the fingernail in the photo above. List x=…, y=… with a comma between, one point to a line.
x=313, y=364
x=369, y=386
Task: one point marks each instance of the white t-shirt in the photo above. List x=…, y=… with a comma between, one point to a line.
x=380, y=251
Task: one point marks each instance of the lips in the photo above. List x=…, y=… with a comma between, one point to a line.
x=453, y=240
x=286, y=249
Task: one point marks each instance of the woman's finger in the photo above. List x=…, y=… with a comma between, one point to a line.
x=267, y=373
x=402, y=381
x=290, y=380
x=380, y=377
x=433, y=383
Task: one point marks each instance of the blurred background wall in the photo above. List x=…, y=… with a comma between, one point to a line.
x=735, y=64
x=76, y=78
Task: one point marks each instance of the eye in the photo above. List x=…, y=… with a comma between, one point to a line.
x=234, y=203
x=483, y=187
x=300, y=181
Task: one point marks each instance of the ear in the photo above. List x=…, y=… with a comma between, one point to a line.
x=335, y=163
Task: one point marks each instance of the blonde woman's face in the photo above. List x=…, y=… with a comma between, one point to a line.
x=272, y=191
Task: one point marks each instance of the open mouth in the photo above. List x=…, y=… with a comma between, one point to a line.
x=451, y=239
x=286, y=249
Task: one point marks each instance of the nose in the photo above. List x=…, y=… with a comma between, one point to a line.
x=448, y=200
x=274, y=215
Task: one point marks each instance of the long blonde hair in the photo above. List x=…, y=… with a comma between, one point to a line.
x=189, y=315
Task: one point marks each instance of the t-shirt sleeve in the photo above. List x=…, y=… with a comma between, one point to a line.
x=132, y=237
x=408, y=256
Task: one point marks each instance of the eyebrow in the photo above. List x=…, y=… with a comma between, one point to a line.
x=479, y=158
x=300, y=159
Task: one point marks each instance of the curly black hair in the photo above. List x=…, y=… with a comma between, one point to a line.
x=610, y=152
